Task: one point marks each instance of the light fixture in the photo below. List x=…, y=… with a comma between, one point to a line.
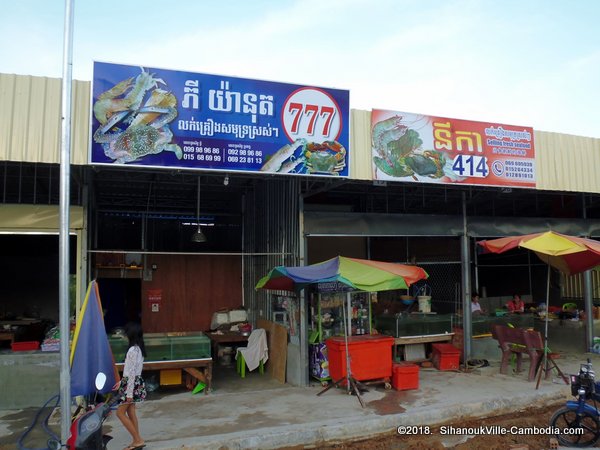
x=198, y=236
x=226, y=180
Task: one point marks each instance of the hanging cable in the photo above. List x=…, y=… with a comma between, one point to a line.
x=20, y=445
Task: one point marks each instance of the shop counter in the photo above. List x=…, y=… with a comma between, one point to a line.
x=234, y=338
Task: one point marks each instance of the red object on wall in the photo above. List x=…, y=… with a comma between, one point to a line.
x=405, y=376
x=445, y=356
x=25, y=346
x=154, y=296
x=370, y=357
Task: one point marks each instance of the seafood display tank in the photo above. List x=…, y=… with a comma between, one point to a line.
x=418, y=324
x=166, y=346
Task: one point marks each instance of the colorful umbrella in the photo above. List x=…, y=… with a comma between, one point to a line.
x=569, y=254
x=348, y=274
x=357, y=274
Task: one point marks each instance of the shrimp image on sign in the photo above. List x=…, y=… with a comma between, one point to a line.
x=146, y=128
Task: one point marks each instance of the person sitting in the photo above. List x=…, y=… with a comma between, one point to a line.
x=476, y=308
x=516, y=305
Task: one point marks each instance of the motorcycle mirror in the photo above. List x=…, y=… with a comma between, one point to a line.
x=100, y=380
x=53, y=444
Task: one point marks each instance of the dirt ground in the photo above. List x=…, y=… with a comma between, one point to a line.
x=533, y=417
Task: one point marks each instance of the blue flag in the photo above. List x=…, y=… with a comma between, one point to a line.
x=90, y=350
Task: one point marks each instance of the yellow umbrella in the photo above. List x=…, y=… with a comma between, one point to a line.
x=569, y=254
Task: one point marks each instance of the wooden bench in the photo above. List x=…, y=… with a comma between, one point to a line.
x=519, y=341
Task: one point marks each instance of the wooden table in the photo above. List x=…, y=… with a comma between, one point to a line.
x=197, y=369
x=7, y=336
x=424, y=339
x=224, y=338
x=18, y=322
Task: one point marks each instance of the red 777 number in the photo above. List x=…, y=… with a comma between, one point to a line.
x=297, y=110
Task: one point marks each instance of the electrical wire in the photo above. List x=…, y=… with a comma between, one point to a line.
x=476, y=363
x=44, y=425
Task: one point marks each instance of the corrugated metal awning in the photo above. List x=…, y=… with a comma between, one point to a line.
x=365, y=224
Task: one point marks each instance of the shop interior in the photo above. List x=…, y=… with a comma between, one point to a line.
x=29, y=299
x=140, y=244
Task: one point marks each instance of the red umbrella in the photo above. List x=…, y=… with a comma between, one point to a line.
x=569, y=254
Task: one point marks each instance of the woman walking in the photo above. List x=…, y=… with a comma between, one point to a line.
x=132, y=389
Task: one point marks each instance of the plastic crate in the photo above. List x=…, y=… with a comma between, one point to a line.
x=169, y=377
x=25, y=346
x=405, y=376
x=445, y=356
x=370, y=357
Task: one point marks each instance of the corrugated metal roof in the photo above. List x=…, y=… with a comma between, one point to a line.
x=37, y=217
x=361, y=166
x=30, y=132
x=30, y=119
x=567, y=163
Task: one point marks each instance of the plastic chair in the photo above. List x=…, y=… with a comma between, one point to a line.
x=254, y=355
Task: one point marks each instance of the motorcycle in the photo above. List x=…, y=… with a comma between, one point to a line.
x=86, y=430
x=577, y=424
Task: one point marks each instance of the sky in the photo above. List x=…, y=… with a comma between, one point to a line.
x=518, y=62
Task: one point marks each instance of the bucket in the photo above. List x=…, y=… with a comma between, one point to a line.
x=424, y=303
x=407, y=299
x=225, y=355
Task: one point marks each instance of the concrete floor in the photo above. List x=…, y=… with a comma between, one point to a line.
x=260, y=413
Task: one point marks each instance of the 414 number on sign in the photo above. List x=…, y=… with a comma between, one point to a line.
x=470, y=166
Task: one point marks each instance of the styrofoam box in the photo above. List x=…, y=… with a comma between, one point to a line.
x=218, y=318
x=238, y=315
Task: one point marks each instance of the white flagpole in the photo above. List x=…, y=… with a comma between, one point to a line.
x=65, y=173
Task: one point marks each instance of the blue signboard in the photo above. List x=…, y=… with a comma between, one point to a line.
x=144, y=116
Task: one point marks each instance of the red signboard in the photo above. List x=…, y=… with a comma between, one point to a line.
x=419, y=148
x=154, y=296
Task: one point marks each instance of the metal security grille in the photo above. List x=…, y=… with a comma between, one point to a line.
x=445, y=283
x=438, y=255
x=572, y=286
x=271, y=227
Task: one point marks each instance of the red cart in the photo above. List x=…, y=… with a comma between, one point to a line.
x=370, y=358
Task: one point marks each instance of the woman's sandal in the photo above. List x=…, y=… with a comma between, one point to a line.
x=135, y=447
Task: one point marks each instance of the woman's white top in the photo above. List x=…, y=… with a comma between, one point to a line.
x=134, y=363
